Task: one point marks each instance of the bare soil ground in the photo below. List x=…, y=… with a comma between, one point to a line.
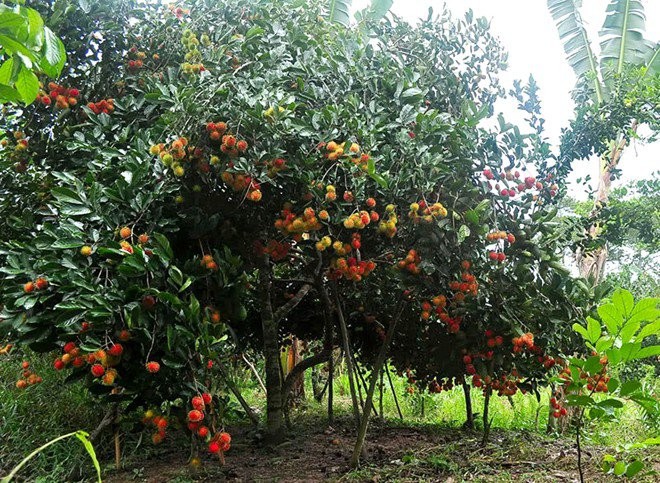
x=396, y=453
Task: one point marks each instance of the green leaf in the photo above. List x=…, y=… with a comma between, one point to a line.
x=7, y=71
x=619, y=468
x=579, y=400
x=339, y=11
x=463, y=233
x=629, y=387
x=11, y=22
x=612, y=385
x=580, y=329
x=628, y=330
x=54, y=51
x=66, y=195
x=624, y=302
x=649, y=329
x=9, y=94
x=176, y=276
x=629, y=351
x=613, y=356
x=611, y=317
x=593, y=365
x=27, y=85
x=593, y=330
x=645, y=352
x=83, y=437
x=575, y=40
x=634, y=468
x=379, y=179
x=610, y=403
x=164, y=248
x=646, y=310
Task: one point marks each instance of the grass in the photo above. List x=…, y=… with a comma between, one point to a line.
x=40, y=413
x=447, y=409
x=33, y=416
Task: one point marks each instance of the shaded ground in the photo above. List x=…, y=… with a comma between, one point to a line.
x=396, y=453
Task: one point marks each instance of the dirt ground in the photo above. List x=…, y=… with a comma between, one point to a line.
x=395, y=453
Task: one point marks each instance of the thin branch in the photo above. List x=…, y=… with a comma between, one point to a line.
x=291, y=304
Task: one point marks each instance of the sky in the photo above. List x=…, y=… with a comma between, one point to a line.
x=528, y=33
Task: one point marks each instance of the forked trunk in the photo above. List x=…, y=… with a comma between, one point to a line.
x=378, y=367
x=274, y=409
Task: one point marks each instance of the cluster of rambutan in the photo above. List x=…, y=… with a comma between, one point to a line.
x=62, y=97
x=275, y=249
x=275, y=166
x=496, y=256
x=557, y=409
x=216, y=130
x=220, y=442
x=436, y=387
x=528, y=183
x=505, y=385
x=136, y=59
x=193, y=57
x=335, y=151
x=232, y=146
x=179, y=152
x=40, y=283
x=500, y=235
x=159, y=422
x=101, y=362
x=28, y=377
x=330, y=193
x=21, y=142
x=209, y=263
x=350, y=268
x=420, y=211
x=105, y=106
x=437, y=304
x=411, y=262
x=547, y=361
x=362, y=161
x=388, y=226
x=241, y=182
x=467, y=285
x=291, y=224
x=359, y=220
x=524, y=342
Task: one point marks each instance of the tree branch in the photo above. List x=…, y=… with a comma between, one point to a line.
x=291, y=304
x=301, y=367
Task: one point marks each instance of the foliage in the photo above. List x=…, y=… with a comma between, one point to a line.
x=28, y=48
x=622, y=43
x=82, y=436
x=244, y=172
x=629, y=223
x=616, y=339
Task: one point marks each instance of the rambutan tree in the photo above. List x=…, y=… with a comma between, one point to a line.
x=257, y=170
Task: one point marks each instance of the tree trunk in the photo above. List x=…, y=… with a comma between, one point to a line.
x=378, y=365
x=486, y=418
x=274, y=409
x=349, y=360
x=592, y=263
x=469, y=420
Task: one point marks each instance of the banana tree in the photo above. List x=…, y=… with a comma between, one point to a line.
x=622, y=46
x=340, y=11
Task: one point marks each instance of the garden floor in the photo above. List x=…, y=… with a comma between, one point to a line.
x=396, y=452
